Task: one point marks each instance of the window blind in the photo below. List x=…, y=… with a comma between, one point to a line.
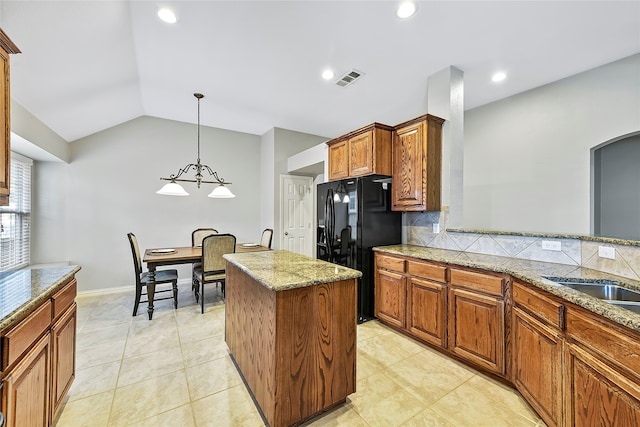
x=15, y=218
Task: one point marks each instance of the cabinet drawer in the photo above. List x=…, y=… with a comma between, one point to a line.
x=21, y=337
x=427, y=270
x=390, y=263
x=546, y=309
x=617, y=346
x=477, y=281
x=64, y=298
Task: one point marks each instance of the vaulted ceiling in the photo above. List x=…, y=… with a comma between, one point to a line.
x=90, y=65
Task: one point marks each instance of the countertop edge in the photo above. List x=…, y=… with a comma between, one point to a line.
x=25, y=309
x=618, y=315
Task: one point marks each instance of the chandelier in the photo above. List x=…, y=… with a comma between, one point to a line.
x=172, y=188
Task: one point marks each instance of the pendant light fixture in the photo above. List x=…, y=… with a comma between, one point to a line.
x=172, y=188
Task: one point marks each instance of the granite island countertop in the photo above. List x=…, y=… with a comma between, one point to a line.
x=281, y=270
x=533, y=272
x=24, y=290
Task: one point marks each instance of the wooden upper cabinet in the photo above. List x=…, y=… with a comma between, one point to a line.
x=6, y=47
x=338, y=159
x=417, y=164
x=365, y=151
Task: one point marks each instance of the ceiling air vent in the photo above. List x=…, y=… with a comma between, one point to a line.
x=349, y=78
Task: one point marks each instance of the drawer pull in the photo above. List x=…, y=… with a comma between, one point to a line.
x=562, y=318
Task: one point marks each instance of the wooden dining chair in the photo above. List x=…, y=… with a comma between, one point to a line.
x=267, y=236
x=143, y=280
x=197, y=236
x=213, y=265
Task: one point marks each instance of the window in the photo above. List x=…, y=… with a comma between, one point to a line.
x=15, y=218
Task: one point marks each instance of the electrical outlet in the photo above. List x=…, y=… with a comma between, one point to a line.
x=607, y=252
x=436, y=227
x=552, y=245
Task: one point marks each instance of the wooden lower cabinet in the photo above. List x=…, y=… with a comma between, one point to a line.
x=597, y=394
x=63, y=350
x=26, y=388
x=537, y=365
x=427, y=310
x=575, y=367
x=390, y=297
x=476, y=329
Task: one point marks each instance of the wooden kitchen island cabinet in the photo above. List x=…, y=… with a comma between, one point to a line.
x=290, y=325
x=38, y=335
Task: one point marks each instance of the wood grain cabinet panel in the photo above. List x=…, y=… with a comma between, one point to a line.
x=427, y=311
x=338, y=159
x=476, y=329
x=537, y=365
x=417, y=164
x=26, y=388
x=361, y=154
x=390, y=297
x=63, y=363
x=6, y=47
x=597, y=394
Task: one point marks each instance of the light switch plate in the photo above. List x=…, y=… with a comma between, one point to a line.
x=436, y=227
x=552, y=245
x=607, y=252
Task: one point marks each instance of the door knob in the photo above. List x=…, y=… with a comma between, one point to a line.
x=286, y=233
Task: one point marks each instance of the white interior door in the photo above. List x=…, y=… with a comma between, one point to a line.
x=296, y=213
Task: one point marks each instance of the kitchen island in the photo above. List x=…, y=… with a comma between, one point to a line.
x=290, y=324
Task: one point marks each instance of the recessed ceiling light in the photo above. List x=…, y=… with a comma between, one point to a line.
x=498, y=77
x=406, y=9
x=167, y=15
x=328, y=74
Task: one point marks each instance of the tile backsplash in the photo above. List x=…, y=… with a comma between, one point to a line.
x=573, y=250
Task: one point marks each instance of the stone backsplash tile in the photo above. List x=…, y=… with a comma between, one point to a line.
x=575, y=252
x=626, y=263
x=570, y=251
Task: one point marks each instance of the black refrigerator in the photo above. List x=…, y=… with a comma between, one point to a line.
x=362, y=206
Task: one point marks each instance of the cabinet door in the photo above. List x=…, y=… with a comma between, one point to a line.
x=426, y=313
x=26, y=388
x=408, y=167
x=477, y=329
x=597, y=394
x=5, y=149
x=63, y=351
x=390, y=298
x=338, y=160
x=537, y=366
x=361, y=154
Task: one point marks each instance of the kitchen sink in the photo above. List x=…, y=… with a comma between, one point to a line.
x=606, y=290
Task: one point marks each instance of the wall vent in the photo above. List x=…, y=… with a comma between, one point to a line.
x=349, y=78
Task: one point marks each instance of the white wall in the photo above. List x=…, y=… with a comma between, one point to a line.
x=267, y=189
x=286, y=144
x=83, y=210
x=527, y=157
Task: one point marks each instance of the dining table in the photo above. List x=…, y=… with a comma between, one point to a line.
x=156, y=257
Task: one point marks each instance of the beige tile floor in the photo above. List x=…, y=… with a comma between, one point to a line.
x=175, y=371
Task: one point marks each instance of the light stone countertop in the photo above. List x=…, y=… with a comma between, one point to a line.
x=281, y=270
x=24, y=290
x=533, y=272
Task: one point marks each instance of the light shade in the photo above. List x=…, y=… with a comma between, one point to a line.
x=346, y=198
x=221, y=192
x=172, y=189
